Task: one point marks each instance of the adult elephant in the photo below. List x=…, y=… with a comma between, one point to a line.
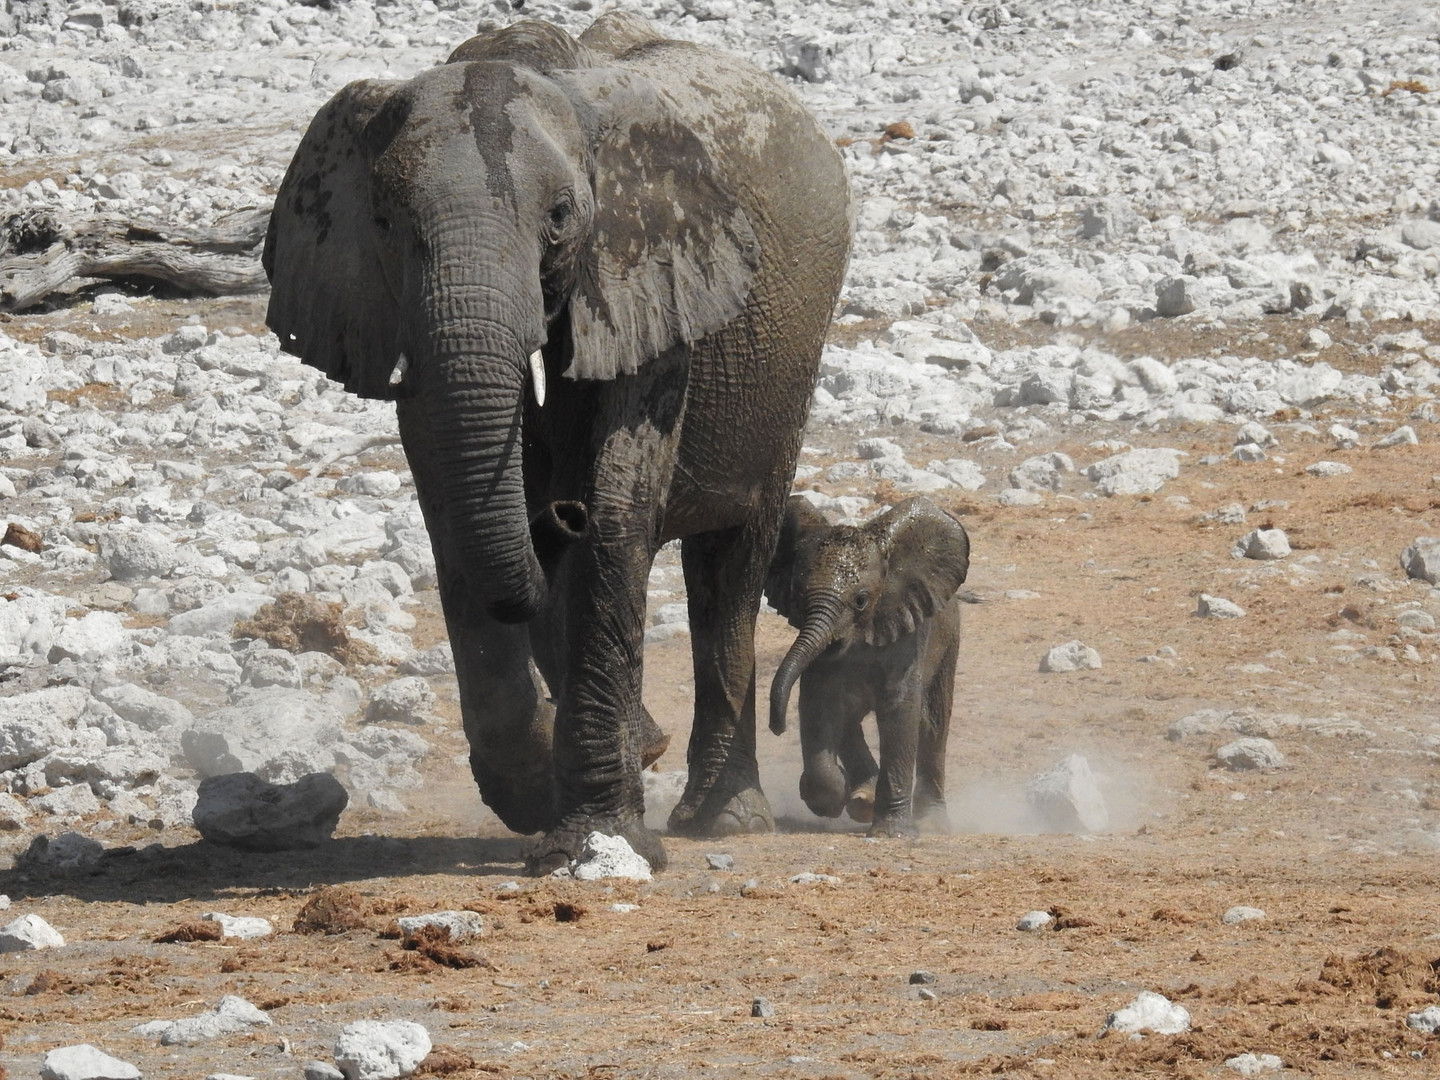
x=656, y=232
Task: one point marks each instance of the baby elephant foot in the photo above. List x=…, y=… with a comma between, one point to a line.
x=746, y=811
x=565, y=843
x=860, y=804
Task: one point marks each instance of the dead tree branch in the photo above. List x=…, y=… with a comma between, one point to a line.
x=39, y=256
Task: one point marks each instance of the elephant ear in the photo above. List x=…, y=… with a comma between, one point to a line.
x=330, y=304
x=671, y=253
x=799, y=532
x=927, y=556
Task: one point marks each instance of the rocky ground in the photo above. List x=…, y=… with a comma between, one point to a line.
x=1147, y=292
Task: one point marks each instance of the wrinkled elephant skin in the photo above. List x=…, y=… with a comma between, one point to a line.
x=595, y=275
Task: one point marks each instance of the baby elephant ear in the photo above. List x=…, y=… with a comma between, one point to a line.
x=671, y=254
x=783, y=585
x=927, y=553
x=329, y=301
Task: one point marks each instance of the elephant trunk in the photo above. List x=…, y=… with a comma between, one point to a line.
x=821, y=618
x=479, y=334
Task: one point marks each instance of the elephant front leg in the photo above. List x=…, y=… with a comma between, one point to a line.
x=830, y=716
x=861, y=773
x=724, y=571
x=898, y=722
x=602, y=732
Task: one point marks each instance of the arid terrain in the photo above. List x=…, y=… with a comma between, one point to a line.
x=1337, y=848
x=1206, y=228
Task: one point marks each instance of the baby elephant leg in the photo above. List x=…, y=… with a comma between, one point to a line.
x=860, y=774
x=827, y=713
x=940, y=656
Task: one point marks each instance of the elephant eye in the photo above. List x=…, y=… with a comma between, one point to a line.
x=861, y=601
x=559, y=215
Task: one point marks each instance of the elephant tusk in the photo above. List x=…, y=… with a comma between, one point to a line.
x=537, y=376
x=401, y=366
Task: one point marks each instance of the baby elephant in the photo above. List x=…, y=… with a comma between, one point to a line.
x=879, y=623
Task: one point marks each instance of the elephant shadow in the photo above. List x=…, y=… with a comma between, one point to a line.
x=203, y=871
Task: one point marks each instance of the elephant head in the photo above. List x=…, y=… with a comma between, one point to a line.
x=873, y=583
x=530, y=205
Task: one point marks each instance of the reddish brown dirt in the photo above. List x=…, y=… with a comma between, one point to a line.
x=1338, y=848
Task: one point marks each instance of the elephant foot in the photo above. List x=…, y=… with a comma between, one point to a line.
x=565, y=843
x=861, y=803
x=746, y=811
x=523, y=800
x=894, y=828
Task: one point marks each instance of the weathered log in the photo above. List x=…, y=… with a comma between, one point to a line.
x=223, y=260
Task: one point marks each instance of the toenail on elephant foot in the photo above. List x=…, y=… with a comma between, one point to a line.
x=565, y=843
x=746, y=811
x=860, y=804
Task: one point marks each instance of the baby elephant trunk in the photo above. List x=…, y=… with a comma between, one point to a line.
x=815, y=637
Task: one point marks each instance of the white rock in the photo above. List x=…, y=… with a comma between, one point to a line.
x=1042, y=473
x=84, y=1062
x=231, y=1015
x=1150, y=1012
x=1072, y=656
x=66, y=803
x=1416, y=620
x=1253, y=1064
x=961, y=472
x=463, y=925
x=27, y=933
x=1328, y=468
x=33, y=724
x=1213, y=607
x=244, y=927
x=1250, y=753
x=1422, y=559
x=145, y=709
x=99, y=635
x=380, y=1049
x=278, y=734
x=1345, y=438
x=1068, y=799
x=218, y=616
x=1135, y=472
x=1249, y=452
x=607, y=857
x=1427, y=1019
x=408, y=700
x=1262, y=544
x=1180, y=295
x=1240, y=914
x=137, y=553
x=1034, y=920
x=1019, y=497
x=1401, y=436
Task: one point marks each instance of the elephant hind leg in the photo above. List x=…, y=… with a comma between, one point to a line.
x=724, y=571
x=938, y=699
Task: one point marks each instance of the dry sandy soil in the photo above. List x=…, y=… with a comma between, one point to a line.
x=1338, y=848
